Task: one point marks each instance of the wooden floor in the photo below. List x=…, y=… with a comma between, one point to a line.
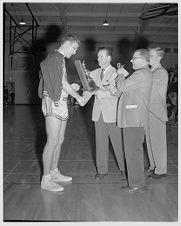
x=84, y=199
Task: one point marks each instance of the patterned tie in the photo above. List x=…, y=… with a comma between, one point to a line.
x=102, y=74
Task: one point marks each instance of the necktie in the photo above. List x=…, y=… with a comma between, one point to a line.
x=102, y=74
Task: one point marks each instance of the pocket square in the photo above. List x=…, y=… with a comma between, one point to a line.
x=131, y=106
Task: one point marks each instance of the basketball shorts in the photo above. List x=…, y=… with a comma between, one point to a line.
x=49, y=108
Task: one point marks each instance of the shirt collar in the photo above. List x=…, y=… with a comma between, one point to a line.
x=156, y=66
x=56, y=50
x=106, y=68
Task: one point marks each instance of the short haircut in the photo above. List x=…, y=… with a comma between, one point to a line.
x=108, y=51
x=70, y=38
x=144, y=53
x=159, y=51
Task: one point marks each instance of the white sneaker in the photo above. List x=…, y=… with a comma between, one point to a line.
x=48, y=184
x=57, y=176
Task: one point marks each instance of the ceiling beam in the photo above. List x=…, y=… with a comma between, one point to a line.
x=10, y=17
x=27, y=5
x=102, y=14
x=85, y=14
x=166, y=9
x=79, y=14
x=110, y=14
x=143, y=24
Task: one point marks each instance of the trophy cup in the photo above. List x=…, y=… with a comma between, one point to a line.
x=121, y=66
x=87, y=81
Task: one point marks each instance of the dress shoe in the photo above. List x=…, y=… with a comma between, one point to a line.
x=150, y=170
x=157, y=176
x=99, y=176
x=133, y=189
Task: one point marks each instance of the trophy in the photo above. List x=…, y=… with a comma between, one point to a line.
x=87, y=82
x=121, y=66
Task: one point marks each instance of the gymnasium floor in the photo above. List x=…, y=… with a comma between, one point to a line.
x=84, y=199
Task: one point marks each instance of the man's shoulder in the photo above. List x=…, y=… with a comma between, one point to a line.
x=54, y=55
x=143, y=74
x=51, y=59
x=162, y=70
x=143, y=71
x=96, y=70
x=111, y=69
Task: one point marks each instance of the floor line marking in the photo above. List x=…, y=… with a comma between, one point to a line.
x=18, y=163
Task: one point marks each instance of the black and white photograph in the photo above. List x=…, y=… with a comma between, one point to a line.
x=89, y=112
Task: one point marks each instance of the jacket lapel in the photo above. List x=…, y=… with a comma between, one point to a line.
x=107, y=75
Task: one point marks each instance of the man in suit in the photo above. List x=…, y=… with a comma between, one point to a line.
x=156, y=136
x=104, y=115
x=134, y=92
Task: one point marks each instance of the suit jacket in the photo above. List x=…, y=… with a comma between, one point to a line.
x=158, y=105
x=133, y=107
x=104, y=103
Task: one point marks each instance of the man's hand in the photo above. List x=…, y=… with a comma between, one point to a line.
x=113, y=90
x=75, y=86
x=122, y=71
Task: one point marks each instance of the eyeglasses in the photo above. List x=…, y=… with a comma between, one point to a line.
x=134, y=58
x=74, y=48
